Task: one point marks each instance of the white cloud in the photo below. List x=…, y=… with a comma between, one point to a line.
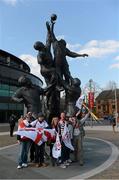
x=73, y=46
x=32, y=63
x=97, y=49
x=113, y=66
x=117, y=58
x=116, y=64
x=11, y=2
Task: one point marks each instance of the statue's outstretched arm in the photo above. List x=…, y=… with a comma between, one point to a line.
x=74, y=54
x=52, y=32
x=48, y=38
x=17, y=96
x=17, y=99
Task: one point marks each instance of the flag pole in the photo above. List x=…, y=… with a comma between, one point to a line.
x=92, y=114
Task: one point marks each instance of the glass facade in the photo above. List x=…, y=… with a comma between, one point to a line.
x=7, y=107
x=7, y=90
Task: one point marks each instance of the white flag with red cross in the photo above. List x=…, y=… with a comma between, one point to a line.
x=38, y=135
x=56, y=150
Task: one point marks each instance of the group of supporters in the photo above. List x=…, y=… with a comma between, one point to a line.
x=34, y=150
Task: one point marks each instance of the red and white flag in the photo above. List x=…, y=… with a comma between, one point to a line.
x=38, y=135
x=66, y=138
x=56, y=150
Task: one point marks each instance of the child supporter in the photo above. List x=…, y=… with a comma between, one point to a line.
x=64, y=150
x=24, y=142
x=40, y=150
x=54, y=125
x=32, y=147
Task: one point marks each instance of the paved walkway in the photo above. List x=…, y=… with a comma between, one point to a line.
x=99, y=155
x=101, y=128
x=4, y=133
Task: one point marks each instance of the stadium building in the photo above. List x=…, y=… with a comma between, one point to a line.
x=11, y=68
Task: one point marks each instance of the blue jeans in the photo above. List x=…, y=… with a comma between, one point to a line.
x=23, y=154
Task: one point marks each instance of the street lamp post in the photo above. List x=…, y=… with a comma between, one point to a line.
x=115, y=96
x=90, y=91
x=115, y=102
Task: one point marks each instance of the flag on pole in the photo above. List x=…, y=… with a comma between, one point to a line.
x=79, y=102
x=91, y=100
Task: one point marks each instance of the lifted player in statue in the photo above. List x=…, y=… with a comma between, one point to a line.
x=45, y=59
x=47, y=64
x=60, y=53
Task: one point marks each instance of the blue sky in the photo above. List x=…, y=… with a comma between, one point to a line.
x=88, y=26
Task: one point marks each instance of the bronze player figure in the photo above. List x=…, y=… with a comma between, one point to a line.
x=73, y=92
x=60, y=52
x=29, y=95
x=45, y=59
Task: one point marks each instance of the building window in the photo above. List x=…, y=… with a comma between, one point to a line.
x=104, y=108
x=5, y=86
x=113, y=106
x=8, y=60
x=99, y=107
x=21, y=66
x=14, y=64
x=6, y=90
x=3, y=106
x=11, y=106
x=3, y=60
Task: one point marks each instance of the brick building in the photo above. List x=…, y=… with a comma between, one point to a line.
x=105, y=102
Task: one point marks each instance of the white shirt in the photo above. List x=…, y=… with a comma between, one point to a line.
x=76, y=132
x=38, y=124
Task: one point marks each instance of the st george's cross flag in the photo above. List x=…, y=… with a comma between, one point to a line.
x=38, y=135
